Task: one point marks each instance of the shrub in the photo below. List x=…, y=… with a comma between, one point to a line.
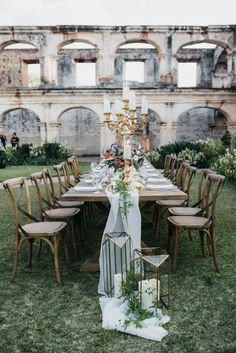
x=226, y=165
x=35, y=154
x=153, y=158
x=3, y=160
x=195, y=158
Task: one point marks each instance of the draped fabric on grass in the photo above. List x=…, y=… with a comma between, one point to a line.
x=119, y=222
x=114, y=316
x=114, y=310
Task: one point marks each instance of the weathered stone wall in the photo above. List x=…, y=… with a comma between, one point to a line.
x=66, y=64
x=80, y=129
x=151, y=65
x=58, y=93
x=12, y=66
x=200, y=123
x=25, y=123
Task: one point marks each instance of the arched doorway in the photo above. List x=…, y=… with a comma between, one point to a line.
x=24, y=122
x=200, y=123
x=80, y=129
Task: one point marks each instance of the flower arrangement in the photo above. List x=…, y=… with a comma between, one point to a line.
x=114, y=156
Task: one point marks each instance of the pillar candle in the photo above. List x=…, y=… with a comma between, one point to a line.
x=132, y=101
x=144, y=106
x=127, y=152
x=107, y=106
x=117, y=285
x=149, y=292
x=125, y=92
x=118, y=106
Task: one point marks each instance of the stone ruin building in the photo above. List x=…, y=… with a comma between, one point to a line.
x=59, y=105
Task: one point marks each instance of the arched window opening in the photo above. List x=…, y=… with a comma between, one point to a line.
x=202, y=65
x=138, y=63
x=20, y=65
x=77, y=65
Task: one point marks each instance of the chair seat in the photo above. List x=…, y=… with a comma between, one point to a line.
x=69, y=204
x=171, y=203
x=190, y=221
x=61, y=213
x=44, y=228
x=184, y=211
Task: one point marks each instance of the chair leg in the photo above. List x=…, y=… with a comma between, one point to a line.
x=56, y=258
x=16, y=261
x=66, y=253
x=201, y=233
x=158, y=223
x=176, y=234
x=31, y=241
x=72, y=226
x=170, y=234
x=214, y=250
x=40, y=247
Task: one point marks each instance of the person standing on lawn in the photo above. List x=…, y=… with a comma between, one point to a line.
x=15, y=140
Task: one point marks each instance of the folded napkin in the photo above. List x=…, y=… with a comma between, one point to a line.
x=85, y=188
x=157, y=180
x=87, y=181
x=157, y=187
x=153, y=175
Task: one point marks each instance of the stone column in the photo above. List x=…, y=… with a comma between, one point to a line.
x=43, y=132
x=105, y=68
x=174, y=128
x=53, y=132
x=48, y=63
x=164, y=138
x=231, y=126
x=233, y=71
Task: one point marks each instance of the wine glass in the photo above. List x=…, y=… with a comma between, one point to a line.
x=143, y=175
x=93, y=166
x=96, y=181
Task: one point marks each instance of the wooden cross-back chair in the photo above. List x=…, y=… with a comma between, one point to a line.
x=73, y=163
x=184, y=179
x=197, y=207
x=47, y=209
x=204, y=223
x=166, y=171
x=34, y=228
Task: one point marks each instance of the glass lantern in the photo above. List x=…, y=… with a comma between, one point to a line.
x=151, y=266
x=116, y=257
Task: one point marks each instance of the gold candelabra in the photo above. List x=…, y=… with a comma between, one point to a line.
x=124, y=120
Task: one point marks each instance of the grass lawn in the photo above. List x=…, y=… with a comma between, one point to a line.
x=39, y=316
x=26, y=170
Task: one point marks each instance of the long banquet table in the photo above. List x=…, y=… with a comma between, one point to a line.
x=145, y=195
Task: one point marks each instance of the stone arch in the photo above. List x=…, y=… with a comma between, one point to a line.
x=201, y=123
x=80, y=128
x=137, y=40
x=152, y=130
x=70, y=41
x=218, y=43
x=3, y=45
x=24, y=122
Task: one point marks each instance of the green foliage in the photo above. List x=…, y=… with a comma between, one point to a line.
x=3, y=160
x=34, y=154
x=129, y=290
x=153, y=157
x=123, y=189
x=226, y=165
